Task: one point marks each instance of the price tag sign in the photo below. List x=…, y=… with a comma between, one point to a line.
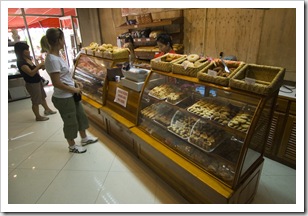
x=250, y=81
x=148, y=39
x=121, y=97
x=139, y=40
x=185, y=64
x=211, y=73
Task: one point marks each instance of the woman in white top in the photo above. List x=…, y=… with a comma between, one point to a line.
x=71, y=111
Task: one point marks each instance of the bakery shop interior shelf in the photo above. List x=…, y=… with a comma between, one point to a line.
x=163, y=22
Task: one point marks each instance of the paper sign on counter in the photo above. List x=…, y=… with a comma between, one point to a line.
x=121, y=97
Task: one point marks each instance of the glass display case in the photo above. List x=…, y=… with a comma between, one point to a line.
x=16, y=83
x=12, y=62
x=221, y=130
x=91, y=72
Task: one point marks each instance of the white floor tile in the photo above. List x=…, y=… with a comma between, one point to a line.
x=20, y=151
x=281, y=189
x=127, y=188
x=25, y=186
x=97, y=157
x=272, y=167
x=40, y=131
x=50, y=155
x=16, y=129
x=74, y=187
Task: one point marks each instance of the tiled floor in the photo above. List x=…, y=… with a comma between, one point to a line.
x=42, y=171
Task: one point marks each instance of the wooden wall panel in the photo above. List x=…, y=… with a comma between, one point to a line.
x=231, y=31
x=167, y=14
x=110, y=18
x=194, y=30
x=278, y=40
x=89, y=25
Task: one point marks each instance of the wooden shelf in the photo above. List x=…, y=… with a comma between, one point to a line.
x=164, y=22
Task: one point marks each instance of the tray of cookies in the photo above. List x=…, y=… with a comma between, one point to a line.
x=241, y=121
x=162, y=91
x=150, y=111
x=225, y=113
x=155, y=110
x=181, y=124
x=204, y=108
x=205, y=137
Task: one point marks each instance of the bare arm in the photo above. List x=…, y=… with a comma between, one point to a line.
x=55, y=78
x=27, y=70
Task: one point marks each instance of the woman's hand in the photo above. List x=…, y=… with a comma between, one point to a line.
x=77, y=90
x=42, y=65
x=79, y=85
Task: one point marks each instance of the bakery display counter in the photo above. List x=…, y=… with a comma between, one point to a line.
x=218, y=129
x=207, y=141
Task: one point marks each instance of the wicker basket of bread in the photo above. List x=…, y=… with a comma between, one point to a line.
x=259, y=79
x=164, y=63
x=111, y=52
x=215, y=72
x=190, y=65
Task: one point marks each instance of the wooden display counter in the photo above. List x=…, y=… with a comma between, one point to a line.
x=226, y=173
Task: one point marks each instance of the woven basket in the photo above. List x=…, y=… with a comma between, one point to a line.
x=90, y=52
x=267, y=79
x=161, y=64
x=235, y=66
x=144, y=18
x=108, y=55
x=178, y=68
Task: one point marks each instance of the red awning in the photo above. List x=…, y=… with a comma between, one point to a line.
x=34, y=21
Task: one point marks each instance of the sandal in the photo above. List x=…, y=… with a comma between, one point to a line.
x=42, y=118
x=49, y=112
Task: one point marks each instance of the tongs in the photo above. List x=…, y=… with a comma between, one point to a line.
x=224, y=64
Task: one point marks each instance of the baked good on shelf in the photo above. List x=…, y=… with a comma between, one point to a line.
x=193, y=57
x=162, y=91
x=204, y=108
x=205, y=136
x=241, y=121
x=181, y=125
x=225, y=113
x=150, y=111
